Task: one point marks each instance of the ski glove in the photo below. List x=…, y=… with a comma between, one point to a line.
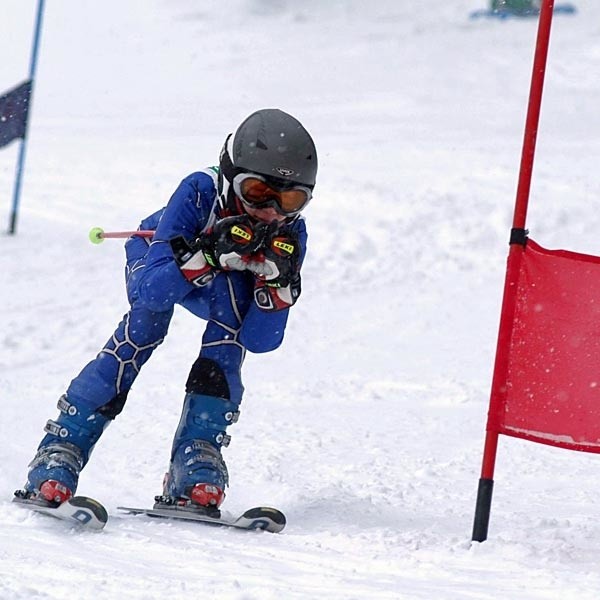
x=277, y=263
x=277, y=270
x=231, y=241
x=192, y=263
x=227, y=246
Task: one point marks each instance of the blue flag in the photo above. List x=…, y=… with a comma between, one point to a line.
x=14, y=107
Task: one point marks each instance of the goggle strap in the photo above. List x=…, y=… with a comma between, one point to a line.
x=227, y=167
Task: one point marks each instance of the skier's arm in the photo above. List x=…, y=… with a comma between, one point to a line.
x=161, y=284
x=136, y=247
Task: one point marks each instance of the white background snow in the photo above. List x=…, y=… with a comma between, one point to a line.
x=366, y=428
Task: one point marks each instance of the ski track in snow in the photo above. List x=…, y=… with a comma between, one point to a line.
x=366, y=428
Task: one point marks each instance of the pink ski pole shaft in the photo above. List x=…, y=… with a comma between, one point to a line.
x=98, y=235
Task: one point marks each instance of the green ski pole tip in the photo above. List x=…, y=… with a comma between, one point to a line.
x=96, y=235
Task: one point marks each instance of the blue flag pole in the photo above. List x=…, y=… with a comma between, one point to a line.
x=21, y=160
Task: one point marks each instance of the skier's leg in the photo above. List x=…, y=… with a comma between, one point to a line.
x=94, y=398
x=213, y=394
x=64, y=451
x=197, y=470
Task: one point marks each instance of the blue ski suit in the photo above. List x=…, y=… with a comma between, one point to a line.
x=214, y=389
x=155, y=284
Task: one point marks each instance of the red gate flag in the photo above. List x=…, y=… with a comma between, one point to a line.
x=543, y=389
x=552, y=389
x=14, y=107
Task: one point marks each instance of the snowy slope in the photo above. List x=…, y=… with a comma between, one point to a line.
x=367, y=426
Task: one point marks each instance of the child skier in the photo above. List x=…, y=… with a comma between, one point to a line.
x=228, y=247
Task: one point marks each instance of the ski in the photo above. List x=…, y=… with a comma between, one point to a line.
x=261, y=517
x=80, y=511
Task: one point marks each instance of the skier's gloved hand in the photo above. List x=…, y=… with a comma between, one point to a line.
x=226, y=246
x=277, y=263
x=191, y=260
x=231, y=241
x=277, y=270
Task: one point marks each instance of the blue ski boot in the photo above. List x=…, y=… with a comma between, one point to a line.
x=64, y=451
x=197, y=473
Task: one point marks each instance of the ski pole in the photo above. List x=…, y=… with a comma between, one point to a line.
x=98, y=235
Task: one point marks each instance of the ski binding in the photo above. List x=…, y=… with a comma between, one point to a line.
x=81, y=511
x=261, y=517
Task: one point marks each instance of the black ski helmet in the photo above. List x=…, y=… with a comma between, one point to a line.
x=271, y=143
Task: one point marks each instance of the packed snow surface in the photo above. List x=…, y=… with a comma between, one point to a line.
x=366, y=427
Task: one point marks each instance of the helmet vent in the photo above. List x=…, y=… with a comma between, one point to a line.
x=260, y=144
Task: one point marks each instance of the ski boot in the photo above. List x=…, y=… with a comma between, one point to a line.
x=62, y=454
x=197, y=474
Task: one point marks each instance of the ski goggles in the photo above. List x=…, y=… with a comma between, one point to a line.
x=255, y=191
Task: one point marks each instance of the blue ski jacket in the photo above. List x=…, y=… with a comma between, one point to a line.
x=155, y=281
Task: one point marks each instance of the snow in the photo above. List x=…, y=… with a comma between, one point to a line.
x=366, y=428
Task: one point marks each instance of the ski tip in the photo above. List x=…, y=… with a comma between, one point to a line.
x=83, y=502
x=265, y=511
x=266, y=518
x=80, y=510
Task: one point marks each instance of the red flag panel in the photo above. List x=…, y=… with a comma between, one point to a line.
x=551, y=393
